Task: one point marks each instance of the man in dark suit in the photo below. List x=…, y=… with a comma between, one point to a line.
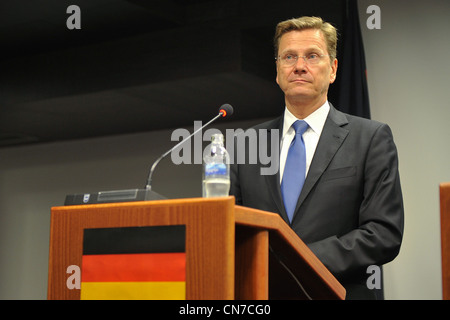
x=350, y=209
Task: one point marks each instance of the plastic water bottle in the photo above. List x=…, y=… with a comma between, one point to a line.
x=216, y=168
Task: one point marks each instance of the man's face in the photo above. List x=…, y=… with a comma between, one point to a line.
x=302, y=82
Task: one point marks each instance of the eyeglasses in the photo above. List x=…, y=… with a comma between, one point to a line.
x=290, y=59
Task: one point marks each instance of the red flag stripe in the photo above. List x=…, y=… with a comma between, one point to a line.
x=134, y=267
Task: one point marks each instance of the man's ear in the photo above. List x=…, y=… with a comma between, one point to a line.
x=334, y=67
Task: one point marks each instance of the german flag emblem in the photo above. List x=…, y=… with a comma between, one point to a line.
x=134, y=263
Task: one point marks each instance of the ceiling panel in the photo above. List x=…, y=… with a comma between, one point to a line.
x=138, y=65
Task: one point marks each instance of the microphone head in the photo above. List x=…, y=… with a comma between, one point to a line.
x=226, y=110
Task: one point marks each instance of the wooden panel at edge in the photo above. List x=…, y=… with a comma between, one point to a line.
x=444, y=189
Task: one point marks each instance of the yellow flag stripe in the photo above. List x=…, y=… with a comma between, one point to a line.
x=174, y=290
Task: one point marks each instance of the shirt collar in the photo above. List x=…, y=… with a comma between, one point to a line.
x=315, y=120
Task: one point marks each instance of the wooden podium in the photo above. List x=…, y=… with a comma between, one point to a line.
x=232, y=252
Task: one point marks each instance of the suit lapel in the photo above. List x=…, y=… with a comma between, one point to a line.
x=273, y=181
x=332, y=137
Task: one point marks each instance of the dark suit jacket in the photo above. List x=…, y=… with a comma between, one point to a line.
x=350, y=210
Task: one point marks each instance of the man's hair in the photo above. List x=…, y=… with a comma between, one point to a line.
x=303, y=23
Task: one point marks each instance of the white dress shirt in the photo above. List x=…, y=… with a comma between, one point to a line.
x=316, y=121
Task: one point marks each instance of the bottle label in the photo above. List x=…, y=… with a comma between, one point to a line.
x=215, y=169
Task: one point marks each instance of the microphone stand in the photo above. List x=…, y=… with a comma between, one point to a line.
x=137, y=194
x=148, y=186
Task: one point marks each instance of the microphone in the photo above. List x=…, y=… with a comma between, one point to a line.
x=137, y=194
x=225, y=110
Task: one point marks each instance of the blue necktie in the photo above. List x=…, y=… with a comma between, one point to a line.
x=294, y=169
